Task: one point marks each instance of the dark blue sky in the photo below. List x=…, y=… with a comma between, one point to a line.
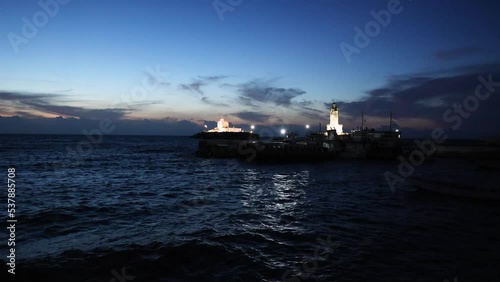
x=259, y=62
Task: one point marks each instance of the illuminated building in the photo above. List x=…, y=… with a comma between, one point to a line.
x=223, y=126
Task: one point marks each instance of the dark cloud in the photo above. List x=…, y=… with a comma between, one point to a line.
x=21, y=96
x=246, y=102
x=208, y=101
x=48, y=103
x=252, y=116
x=455, y=54
x=422, y=99
x=305, y=103
x=199, y=82
x=260, y=91
x=194, y=86
x=307, y=106
x=81, y=112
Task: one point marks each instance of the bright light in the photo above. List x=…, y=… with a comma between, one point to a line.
x=283, y=131
x=252, y=127
x=307, y=126
x=397, y=130
x=206, y=126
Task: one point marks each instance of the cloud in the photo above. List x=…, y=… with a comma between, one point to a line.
x=194, y=86
x=261, y=91
x=455, y=54
x=208, y=101
x=21, y=96
x=81, y=112
x=246, y=102
x=199, y=82
x=23, y=103
x=420, y=100
x=252, y=116
x=307, y=106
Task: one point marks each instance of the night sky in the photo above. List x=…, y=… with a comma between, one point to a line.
x=169, y=67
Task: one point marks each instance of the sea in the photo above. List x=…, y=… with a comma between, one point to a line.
x=145, y=208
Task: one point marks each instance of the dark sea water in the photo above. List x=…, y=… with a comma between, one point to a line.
x=146, y=209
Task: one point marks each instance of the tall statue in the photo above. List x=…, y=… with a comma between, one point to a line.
x=334, y=119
